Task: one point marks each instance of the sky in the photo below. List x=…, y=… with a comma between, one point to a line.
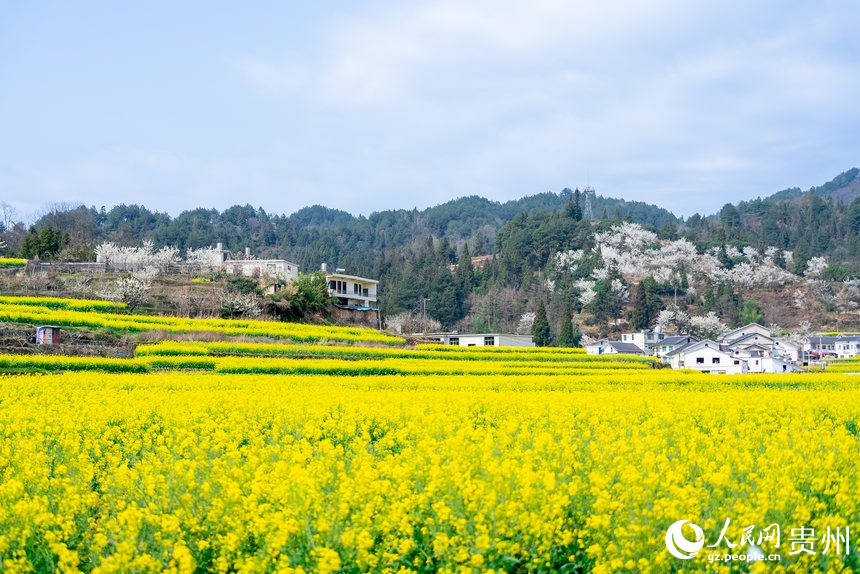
x=368, y=106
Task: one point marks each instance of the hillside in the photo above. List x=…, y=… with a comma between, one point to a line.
x=843, y=188
x=423, y=257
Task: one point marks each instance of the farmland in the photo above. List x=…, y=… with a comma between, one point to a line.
x=344, y=450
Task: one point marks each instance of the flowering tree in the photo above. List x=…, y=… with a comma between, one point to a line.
x=815, y=268
x=137, y=258
x=707, y=327
x=673, y=317
x=130, y=290
x=203, y=259
x=236, y=304
x=524, y=325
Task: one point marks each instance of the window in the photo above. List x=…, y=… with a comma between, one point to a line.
x=454, y=341
x=489, y=341
x=715, y=361
x=737, y=362
x=700, y=360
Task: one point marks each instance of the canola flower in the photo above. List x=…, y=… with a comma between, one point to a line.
x=13, y=312
x=187, y=472
x=319, y=365
x=12, y=262
x=507, y=354
x=64, y=303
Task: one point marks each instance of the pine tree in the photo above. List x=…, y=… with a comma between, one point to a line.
x=565, y=334
x=577, y=335
x=574, y=207
x=751, y=313
x=540, y=328
x=640, y=319
x=646, y=303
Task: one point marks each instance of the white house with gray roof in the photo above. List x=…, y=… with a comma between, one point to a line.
x=706, y=356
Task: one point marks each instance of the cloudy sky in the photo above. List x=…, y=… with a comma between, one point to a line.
x=366, y=106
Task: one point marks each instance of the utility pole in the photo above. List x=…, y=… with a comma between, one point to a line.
x=424, y=315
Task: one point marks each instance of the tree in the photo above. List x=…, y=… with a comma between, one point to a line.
x=44, y=243
x=707, y=327
x=130, y=290
x=751, y=313
x=646, y=303
x=465, y=273
x=540, y=328
x=606, y=303
x=307, y=295
x=565, y=334
x=639, y=318
x=574, y=206
x=445, y=303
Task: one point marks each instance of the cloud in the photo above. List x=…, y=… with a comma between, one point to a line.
x=391, y=105
x=283, y=78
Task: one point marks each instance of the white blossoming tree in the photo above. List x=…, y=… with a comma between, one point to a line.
x=707, y=327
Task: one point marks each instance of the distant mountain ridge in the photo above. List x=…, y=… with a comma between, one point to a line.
x=464, y=216
x=843, y=188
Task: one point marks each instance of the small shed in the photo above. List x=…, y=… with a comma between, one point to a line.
x=47, y=335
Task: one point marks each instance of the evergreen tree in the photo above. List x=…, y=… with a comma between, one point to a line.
x=465, y=275
x=565, y=334
x=605, y=305
x=646, y=303
x=540, y=328
x=751, y=313
x=574, y=207
x=639, y=319
x=577, y=335
x=445, y=303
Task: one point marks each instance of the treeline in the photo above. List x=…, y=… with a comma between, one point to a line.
x=423, y=259
x=308, y=237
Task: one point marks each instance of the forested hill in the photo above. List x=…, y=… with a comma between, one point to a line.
x=823, y=221
x=543, y=249
x=844, y=188
x=316, y=234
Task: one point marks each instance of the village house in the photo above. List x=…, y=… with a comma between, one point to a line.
x=670, y=343
x=821, y=347
x=848, y=346
x=843, y=346
x=482, y=339
x=279, y=270
x=730, y=337
x=645, y=340
x=607, y=347
x=706, y=356
x=748, y=349
x=350, y=290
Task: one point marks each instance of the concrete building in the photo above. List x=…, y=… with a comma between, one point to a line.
x=742, y=332
x=607, y=347
x=646, y=340
x=844, y=346
x=351, y=290
x=482, y=339
x=279, y=270
x=708, y=357
x=669, y=344
x=820, y=347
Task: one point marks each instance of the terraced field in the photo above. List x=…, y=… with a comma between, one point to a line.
x=367, y=455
